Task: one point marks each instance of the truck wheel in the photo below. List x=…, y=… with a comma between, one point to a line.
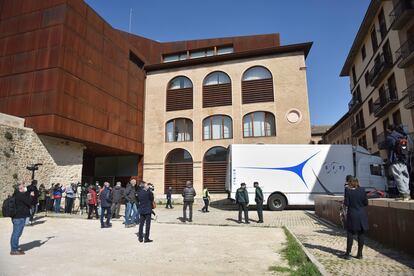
x=276, y=202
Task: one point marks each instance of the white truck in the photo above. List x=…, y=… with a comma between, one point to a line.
x=295, y=174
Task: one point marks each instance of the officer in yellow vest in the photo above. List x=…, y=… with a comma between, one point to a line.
x=206, y=199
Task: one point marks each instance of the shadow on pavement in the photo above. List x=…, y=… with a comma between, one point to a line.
x=33, y=244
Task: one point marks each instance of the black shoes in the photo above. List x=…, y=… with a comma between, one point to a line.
x=140, y=240
x=148, y=240
x=247, y=222
x=359, y=257
x=345, y=256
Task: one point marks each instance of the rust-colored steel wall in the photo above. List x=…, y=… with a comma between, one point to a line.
x=68, y=72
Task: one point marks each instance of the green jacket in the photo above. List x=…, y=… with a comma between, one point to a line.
x=242, y=196
x=259, y=194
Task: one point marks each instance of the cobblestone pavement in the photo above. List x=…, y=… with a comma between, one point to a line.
x=322, y=240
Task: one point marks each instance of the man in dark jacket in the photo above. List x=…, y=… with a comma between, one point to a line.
x=33, y=200
x=106, y=202
x=259, y=201
x=117, y=197
x=131, y=209
x=188, y=195
x=397, y=158
x=169, y=199
x=23, y=204
x=145, y=200
x=242, y=199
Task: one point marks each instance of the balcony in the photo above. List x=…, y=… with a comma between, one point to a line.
x=354, y=103
x=387, y=100
x=382, y=66
x=406, y=54
x=357, y=128
x=402, y=12
x=409, y=104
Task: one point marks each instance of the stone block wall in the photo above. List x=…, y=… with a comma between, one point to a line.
x=20, y=147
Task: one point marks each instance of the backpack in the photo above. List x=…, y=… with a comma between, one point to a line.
x=401, y=147
x=9, y=208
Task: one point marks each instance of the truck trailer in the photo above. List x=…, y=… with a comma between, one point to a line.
x=295, y=174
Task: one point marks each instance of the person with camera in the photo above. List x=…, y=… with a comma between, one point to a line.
x=34, y=195
x=397, y=147
x=23, y=203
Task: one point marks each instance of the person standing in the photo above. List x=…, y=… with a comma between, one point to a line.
x=206, y=199
x=145, y=200
x=242, y=199
x=92, y=202
x=106, y=202
x=34, y=195
x=397, y=147
x=169, y=199
x=131, y=209
x=117, y=197
x=42, y=198
x=23, y=203
x=258, y=198
x=355, y=200
x=57, y=195
x=188, y=194
x=70, y=195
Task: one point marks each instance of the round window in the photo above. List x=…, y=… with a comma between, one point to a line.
x=293, y=116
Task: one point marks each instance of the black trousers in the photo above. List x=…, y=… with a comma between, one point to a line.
x=68, y=205
x=206, y=203
x=243, y=207
x=144, y=219
x=350, y=240
x=92, y=208
x=42, y=204
x=259, y=208
x=169, y=205
x=188, y=204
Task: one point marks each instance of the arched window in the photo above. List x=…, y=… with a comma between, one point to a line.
x=257, y=85
x=179, y=130
x=258, y=124
x=217, y=127
x=178, y=170
x=217, y=90
x=214, y=169
x=179, y=94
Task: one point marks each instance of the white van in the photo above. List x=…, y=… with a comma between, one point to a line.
x=295, y=174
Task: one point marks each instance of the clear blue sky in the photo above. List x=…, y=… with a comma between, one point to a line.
x=330, y=24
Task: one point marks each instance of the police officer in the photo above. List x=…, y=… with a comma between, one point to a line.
x=259, y=201
x=242, y=199
x=206, y=199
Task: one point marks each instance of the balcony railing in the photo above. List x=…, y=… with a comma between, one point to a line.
x=406, y=54
x=357, y=128
x=385, y=102
x=409, y=104
x=380, y=69
x=354, y=103
x=402, y=12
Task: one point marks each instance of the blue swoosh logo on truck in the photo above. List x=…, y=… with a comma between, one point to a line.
x=298, y=169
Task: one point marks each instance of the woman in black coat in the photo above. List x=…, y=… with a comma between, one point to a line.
x=356, y=220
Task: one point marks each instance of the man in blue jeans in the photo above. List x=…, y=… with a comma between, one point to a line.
x=106, y=201
x=23, y=202
x=131, y=210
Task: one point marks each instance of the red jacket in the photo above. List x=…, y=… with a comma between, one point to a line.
x=92, y=198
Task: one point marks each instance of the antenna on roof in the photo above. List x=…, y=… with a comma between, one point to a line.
x=130, y=20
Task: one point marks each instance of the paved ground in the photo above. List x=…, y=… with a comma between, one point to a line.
x=80, y=247
x=323, y=241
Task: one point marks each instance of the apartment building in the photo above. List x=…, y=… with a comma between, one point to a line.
x=380, y=68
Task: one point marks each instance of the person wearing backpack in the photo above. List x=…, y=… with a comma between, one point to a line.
x=19, y=211
x=397, y=147
x=105, y=197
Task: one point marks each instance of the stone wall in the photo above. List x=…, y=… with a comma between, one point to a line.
x=20, y=147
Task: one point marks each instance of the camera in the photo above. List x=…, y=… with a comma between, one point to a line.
x=33, y=168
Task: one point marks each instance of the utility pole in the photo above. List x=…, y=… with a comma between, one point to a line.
x=130, y=20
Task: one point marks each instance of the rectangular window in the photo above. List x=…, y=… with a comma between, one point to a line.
x=382, y=24
x=396, y=118
x=354, y=79
x=225, y=50
x=375, y=169
x=385, y=124
x=171, y=58
x=371, y=106
x=198, y=54
x=366, y=76
x=363, y=52
x=386, y=50
x=374, y=135
x=374, y=40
